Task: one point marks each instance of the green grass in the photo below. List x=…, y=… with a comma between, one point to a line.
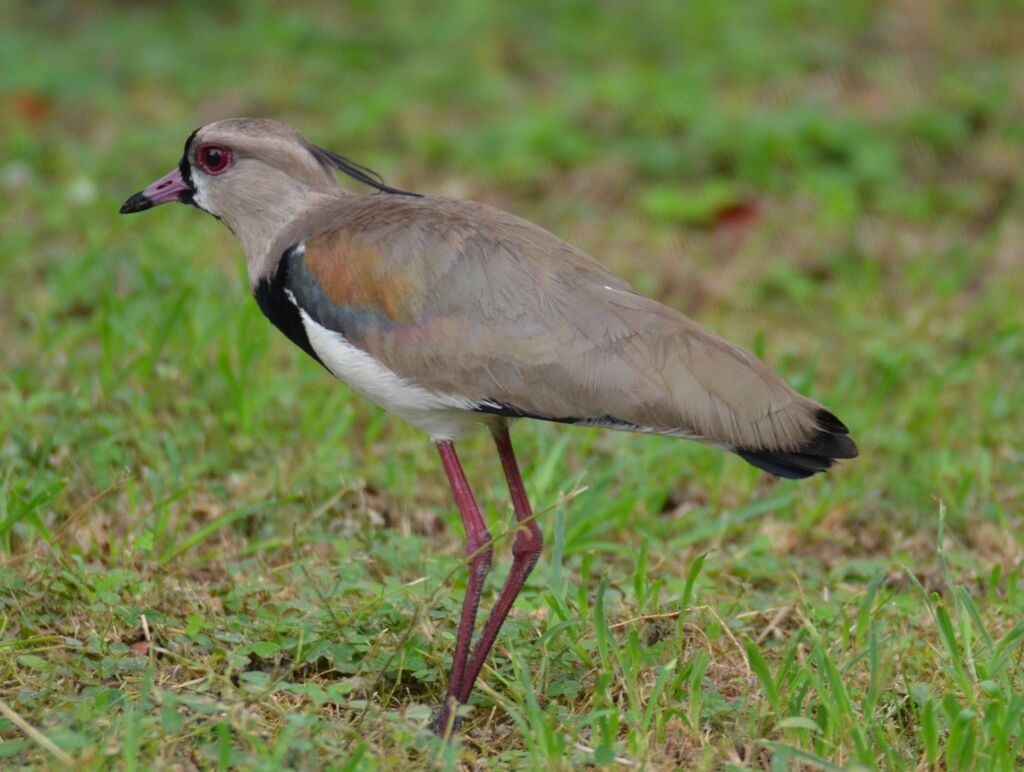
x=213, y=556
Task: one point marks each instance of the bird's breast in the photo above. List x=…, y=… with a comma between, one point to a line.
x=442, y=416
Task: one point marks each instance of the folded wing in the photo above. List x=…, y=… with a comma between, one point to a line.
x=467, y=301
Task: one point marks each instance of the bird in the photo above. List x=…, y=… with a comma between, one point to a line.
x=457, y=317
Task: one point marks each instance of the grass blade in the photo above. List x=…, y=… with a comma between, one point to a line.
x=211, y=528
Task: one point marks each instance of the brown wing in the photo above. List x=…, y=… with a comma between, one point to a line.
x=466, y=300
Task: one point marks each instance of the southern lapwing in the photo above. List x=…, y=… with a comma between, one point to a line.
x=455, y=315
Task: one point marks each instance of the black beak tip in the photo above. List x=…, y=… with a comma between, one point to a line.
x=137, y=203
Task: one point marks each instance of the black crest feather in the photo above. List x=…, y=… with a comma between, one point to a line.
x=357, y=171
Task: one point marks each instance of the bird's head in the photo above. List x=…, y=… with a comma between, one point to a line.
x=253, y=174
x=240, y=164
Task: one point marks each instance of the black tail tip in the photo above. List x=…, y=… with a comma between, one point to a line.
x=829, y=423
x=829, y=443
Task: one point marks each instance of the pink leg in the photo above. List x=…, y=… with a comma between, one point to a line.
x=478, y=550
x=525, y=552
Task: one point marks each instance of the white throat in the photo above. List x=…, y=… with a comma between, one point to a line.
x=258, y=214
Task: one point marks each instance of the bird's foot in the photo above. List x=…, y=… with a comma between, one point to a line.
x=446, y=721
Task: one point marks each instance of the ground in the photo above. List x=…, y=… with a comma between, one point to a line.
x=211, y=555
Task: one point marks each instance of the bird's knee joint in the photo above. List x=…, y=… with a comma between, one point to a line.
x=481, y=566
x=528, y=543
x=480, y=556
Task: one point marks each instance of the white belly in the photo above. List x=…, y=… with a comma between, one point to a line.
x=442, y=416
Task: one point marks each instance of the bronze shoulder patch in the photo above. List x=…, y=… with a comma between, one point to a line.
x=352, y=274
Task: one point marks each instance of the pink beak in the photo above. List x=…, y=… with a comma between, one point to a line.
x=170, y=187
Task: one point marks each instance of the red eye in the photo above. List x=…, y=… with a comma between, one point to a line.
x=213, y=159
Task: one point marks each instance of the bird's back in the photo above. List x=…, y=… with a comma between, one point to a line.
x=463, y=299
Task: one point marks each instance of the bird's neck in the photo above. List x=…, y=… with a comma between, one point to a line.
x=258, y=226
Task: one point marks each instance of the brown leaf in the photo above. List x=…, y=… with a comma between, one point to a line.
x=739, y=213
x=32, y=107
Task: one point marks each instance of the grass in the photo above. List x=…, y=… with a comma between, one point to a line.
x=212, y=556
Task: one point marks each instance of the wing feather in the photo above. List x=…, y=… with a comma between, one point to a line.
x=463, y=299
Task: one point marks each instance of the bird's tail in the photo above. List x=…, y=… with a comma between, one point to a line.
x=829, y=441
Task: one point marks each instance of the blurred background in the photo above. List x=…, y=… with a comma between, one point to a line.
x=836, y=186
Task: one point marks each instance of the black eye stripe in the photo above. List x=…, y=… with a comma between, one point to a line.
x=186, y=167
